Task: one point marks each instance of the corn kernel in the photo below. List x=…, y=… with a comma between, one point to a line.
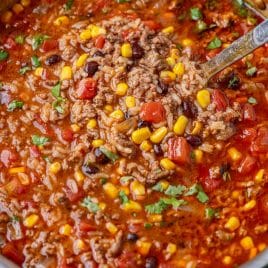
x=121, y=89
x=25, y=3
x=175, y=54
x=92, y=123
x=96, y=30
x=155, y=218
x=97, y=143
x=143, y=247
x=140, y=135
x=6, y=17
x=198, y=156
x=158, y=135
x=79, y=176
x=171, y=61
x=81, y=60
x=262, y=246
x=146, y=146
x=39, y=71
x=110, y=190
x=66, y=73
x=85, y=34
x=232, y=224
x=247, y=243
x=75, y=128
x=17, y=8
x=31, y=221
x=66, y=229
x=108, y=108
x=24, y=178
x=126, y=50
x=259, y=176
x=63, y=20
x=203, y=98
x=125, y=189
x=137, y=189
x=164, y=184
x=234, y=154
x=102, y=206
x=117, y=114
x=111, y=228
x=55, y=167
x=249, y=205
x=168, y=75
x=168, y=30
x=187, y=42
x=16, y=170
x=253, y=252
x=227, y=260
x=180, y=125
x=197, y=128
x=80, y=245
x=131, y=206
x=235, y=194
x=171, y=248
x=130, y=101
x=179, y=69
x=167, y=164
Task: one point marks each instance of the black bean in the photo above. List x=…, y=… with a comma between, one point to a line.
x=137, y=51
x=142, y=123
x=158, y=150
x=101, y=158
x=194, y=140
x=91, y=68
x=151, y=262
x=127, y=115
x=98, y=54
x=189, y=109
x=225, y=167
x=89, y=169
x=129, y=67
x=53, y=59
x=162, y=88
x=132, y=237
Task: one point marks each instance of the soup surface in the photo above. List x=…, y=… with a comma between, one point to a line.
x=113, y=150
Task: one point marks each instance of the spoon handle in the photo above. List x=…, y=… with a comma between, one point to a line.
x=237, y=50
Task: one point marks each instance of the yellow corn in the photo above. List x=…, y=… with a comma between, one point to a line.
x=17, y=8
x=132, y=206
x=97, y=143
x=249, y=205
x=253, y=252
x=140, y=135
x=96, y=30
x=168, y=30
x=167, y=164
x=102, y=206
x=85, y=35
x=110, y=190
x=80, y=244
x=179, y=69
x=108, y=108
x=175, y=54
x=66, y=73
x=232, y=224
x=55, y=167
x=62, y=20
x=75, y=128
x=155, y=218
x=92, y=123
x=180, y=125
x=203, y=98
x=164, y=184
x=6, y=17
x=227, y=260
x=247, y=243
x=130, y=101
x=81, y=60
x=143, y=247
x=146, y=146
x=187, y=42
x=126, y=50
x=235, y=194
x=262, y=246
x=25, y=3
x=111, y=228
x=117, y=115
x=31, y=221
x=38, y=71
x=136, y=188
x=168, y=75
x=171, y=248
x=234, y=154
x=158, y=135
x=198, y=156
x=121, y=89
x=16, y=170
x=259, y=176
x=66, y=229
x=125, y=189
x=79, y=176
x=171, y=61
x=197, y=128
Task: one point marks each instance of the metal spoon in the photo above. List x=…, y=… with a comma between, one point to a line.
x=237, y=50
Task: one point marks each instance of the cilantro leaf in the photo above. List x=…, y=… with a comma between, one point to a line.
x=251, y=71
x=39, y=140
x=175, y=203
x=156, y=208
x=202, y=196
x=24, y=70
x=35, y=61
x=69, y=4
x=57, y=105
x=38, y=40
x=197, y=190
x=123, y=197
x=126, y=179
x=211, y=213
x=111, y=155
x=175, y=190
x=19, y=39
x=192, y=190
x=3, y=55
x=215, y=43
x=15, y=104
x=252, y=100
x=90, y=205
x=122, y=1
x=55, y=91
x=196, y=13
x=158, y=187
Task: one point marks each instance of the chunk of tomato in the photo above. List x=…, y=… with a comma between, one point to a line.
x=249, y=113
x=220, y=100
x=100, y=42
x=86, y=226
x=153, y=112
x=34, y=151
x=152, y=25
x=49, y=45
x=179, y=150
x=260, y=144
x=87, y=89
x=247, y=164
x=67, y=135
x=11, y=252
x=248, y=135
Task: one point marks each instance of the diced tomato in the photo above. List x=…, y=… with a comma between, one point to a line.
x=153, y=112
x=247, y=164
x=67, y=135
x=10, y=43
x=260, y=144
x=86, y=226
x=127, y=260
x=14, y=187
x=11, y=252
x=220, y=99
x=98, y=5
x=263, y=207
x=42, y=126
x=8, y=157
x=87, y=89
x=100, y=42
x=249, y=112
x=212, y=53
x=152, y=25
x=49, y=45
x=34, y=151
x=179, y=150
x=74, y=197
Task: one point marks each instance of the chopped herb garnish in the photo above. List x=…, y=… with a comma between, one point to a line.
x=15, y=218
x=175, y=203
x=252, y=100
x=196, y=13
x=103, y=180
x=123, y=197
x=215, y=43
x=3, y=55
x=147, y=225
x=197, y=190
x=251, y=21
x=57, y=105
x=90, y=205
x=35, y=61
x=111, y=155
x=69, y=4
x=175, y=190
x=38, y=40
x=234, y=82
x=126, y=179
x=211, y=213
x=55, y=91
x=39, y=140
x=201, y=26
x=202, y=196
x=251, y=71
x=158, y=187
x=156, y=208
x=122, y=1
x=240, y=8
x=19, y=39
x=15, y=104
x=24, y=70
